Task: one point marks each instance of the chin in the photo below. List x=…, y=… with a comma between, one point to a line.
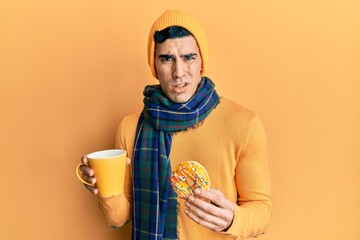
x=180, y=99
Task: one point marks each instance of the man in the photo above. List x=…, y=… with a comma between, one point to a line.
x=184, y=119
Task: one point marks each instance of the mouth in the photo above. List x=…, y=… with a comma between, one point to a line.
x=181, y=85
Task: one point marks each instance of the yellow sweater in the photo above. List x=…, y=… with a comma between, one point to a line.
x=231, y=144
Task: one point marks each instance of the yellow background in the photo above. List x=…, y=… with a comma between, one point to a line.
x=71, y=69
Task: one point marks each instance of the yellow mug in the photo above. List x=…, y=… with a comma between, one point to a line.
x=109, y=170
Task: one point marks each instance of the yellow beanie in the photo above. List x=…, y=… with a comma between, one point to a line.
x=178, y=18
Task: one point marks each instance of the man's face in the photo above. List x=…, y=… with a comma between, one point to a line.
x=178, y=67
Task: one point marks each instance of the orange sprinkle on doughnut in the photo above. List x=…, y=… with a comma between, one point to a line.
x=187, y=176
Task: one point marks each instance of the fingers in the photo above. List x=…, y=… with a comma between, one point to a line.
x=205, y=217
x=87, y=172
x=84, y=160
x=88, y=175
x=217, y=198
x=92, y=189
x=88, y=178
x=210, y=209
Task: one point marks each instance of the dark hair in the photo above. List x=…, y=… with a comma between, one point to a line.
x=170, y=32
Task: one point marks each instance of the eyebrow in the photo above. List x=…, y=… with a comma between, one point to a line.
x=166, y=56
x=171, y=55
x=189, y=55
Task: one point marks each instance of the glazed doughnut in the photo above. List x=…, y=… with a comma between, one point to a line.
x=187, y=177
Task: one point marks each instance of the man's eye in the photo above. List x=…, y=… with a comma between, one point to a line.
x=166, y=59
x=191, y=57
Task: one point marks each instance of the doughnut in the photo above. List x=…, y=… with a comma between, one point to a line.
x=187, y=176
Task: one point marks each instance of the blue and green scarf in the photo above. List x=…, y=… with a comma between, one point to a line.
x=154, y=200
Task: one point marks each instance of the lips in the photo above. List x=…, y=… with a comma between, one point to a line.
x=180, y=85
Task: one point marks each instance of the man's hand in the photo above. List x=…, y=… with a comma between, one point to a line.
x=210, y=209
x=88, y=175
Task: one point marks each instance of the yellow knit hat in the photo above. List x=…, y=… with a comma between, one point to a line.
x=178, y=18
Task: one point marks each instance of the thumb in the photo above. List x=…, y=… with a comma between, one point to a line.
x=128, y=161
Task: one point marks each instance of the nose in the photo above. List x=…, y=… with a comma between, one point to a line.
x=179, y=68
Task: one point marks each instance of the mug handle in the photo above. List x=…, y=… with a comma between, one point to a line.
x=79, y=175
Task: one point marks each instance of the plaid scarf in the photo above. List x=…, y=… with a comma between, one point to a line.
x=154, y=200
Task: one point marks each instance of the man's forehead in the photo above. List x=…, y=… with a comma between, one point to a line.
x=183, y=45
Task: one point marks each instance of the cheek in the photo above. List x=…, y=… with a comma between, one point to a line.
x=196, y=68
x=196, y=73
x=162, y=71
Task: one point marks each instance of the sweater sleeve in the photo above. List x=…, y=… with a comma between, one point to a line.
x=116, y=210
x=253, y=212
